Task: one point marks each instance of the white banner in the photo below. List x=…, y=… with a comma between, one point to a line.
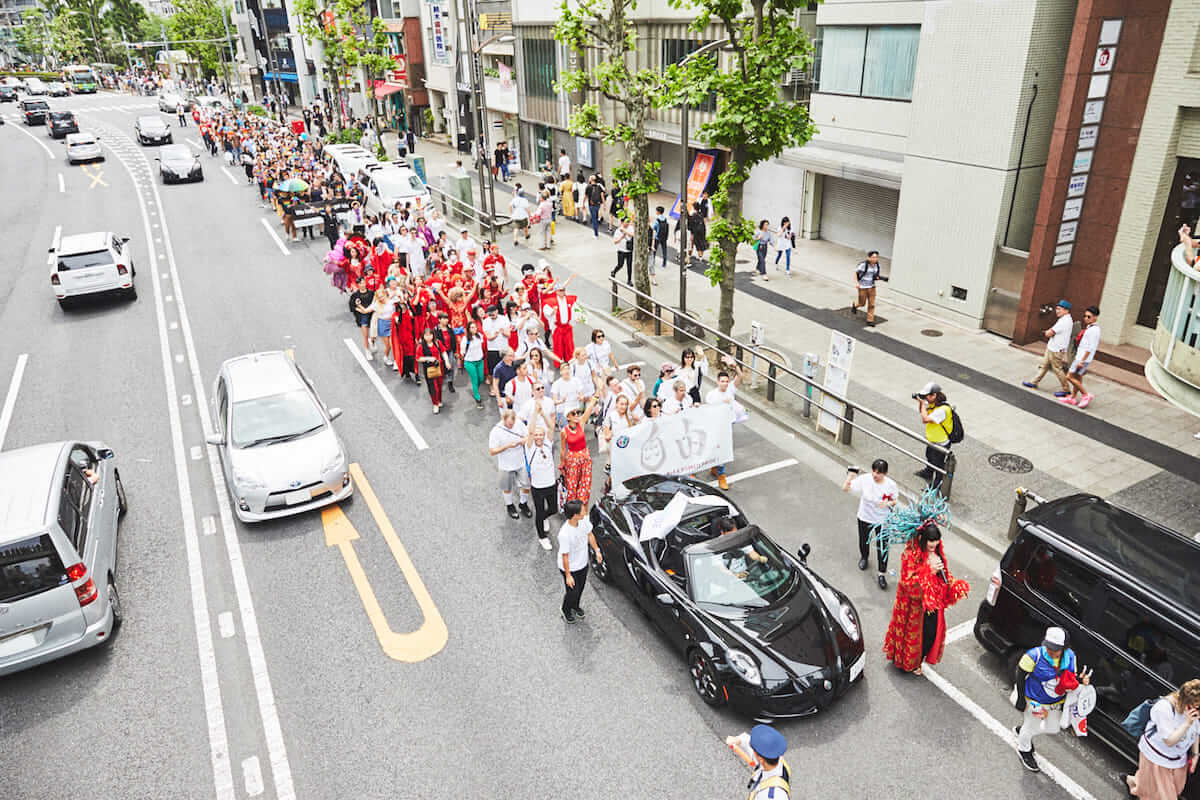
x=675, y=444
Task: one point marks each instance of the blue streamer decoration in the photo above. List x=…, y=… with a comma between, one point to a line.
x=902, y=521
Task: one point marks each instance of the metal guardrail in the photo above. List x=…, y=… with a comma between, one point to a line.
x=689, y=329
x=477, y=220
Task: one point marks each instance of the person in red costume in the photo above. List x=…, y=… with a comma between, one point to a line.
x=494, y=263
x=917, y=632
x=407, y=332
x=381, y=258
x=558, y=312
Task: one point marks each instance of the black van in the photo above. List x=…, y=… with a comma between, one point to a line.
x=1126, y=590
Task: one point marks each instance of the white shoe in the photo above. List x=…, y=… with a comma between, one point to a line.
x=369, y=356
x=545, y=543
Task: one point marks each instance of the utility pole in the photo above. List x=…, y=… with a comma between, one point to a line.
x=271, y=62
x=229, y=43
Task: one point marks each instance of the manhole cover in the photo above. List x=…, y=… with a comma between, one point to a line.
x=1010, y=462
x=931, y=332
x=633, y=343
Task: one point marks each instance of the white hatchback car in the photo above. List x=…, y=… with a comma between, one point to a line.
x=275, y=438
x=388, y=184
x=92, y=263
x=83, y=147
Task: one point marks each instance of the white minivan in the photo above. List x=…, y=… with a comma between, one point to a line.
x=387, y=184
x=92, y=263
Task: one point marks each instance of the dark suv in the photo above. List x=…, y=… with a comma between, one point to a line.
x=1126, y=590
x=34, y=111
x=60, y=123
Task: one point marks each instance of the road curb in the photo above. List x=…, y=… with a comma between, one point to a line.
x=802, y=431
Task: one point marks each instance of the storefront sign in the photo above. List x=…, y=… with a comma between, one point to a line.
x=399, y=76
x=1062, y=255
x=1110, y=31
x=506, y=81
x=1083, y=161
x=439, y=34
x=1077, y=186
x=583, y=152
x=1105, y=56
x=1087, y=136
x=1097, y=86
x=837, y=379
x=1072, y=208
x=702, y=169
x=1066, y=232
x=1092, y=111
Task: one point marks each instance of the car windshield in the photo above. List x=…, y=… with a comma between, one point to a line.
x=398, y=184
x=151, y=122
x=62, y=116
x=29, y=566
x=83, y=141
x=274, y=418
x=176, y=152
x=97, y=258
x=751, y=575
x=36, y=105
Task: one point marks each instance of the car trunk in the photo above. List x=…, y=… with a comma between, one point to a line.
x=83, y=272
x=38, y=605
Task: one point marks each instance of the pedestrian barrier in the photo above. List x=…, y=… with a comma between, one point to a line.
x=689, y=329
x=477, y=220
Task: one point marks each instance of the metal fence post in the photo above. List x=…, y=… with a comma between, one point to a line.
x=771, y=382
x=1019, y=506
x=948, y=481
x=616, y=305
x=657, y=320
x=738, y=353
x=847, y=425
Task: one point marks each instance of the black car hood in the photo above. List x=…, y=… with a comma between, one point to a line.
x=796, y=630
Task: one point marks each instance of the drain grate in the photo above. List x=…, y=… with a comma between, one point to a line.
x=1010, y=462
x=931, y=332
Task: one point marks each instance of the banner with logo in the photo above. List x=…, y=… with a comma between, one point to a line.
x=675, y=444
x=702, y=169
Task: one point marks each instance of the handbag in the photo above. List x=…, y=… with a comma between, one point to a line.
x=562, y=490
x=433, y=371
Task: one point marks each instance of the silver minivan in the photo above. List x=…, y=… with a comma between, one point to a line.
x=59, y=507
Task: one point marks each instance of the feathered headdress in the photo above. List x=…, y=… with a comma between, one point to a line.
x=902, y=522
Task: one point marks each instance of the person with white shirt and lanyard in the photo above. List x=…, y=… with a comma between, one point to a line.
x=877, y=497
x=574, y=538
x=538, y=410
x=507, y=442
x=543, y=481
x=565, y=393
x=1085, y=353
x=600, y=355
x=1055, y=357
x=865, y=276
x=763, y=749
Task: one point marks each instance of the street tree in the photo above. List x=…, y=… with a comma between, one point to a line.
x=366, y=50
x=606, y=28
x=33, y=36
x=123, y=18
x=67, y=39
x=319, y=23
x=86, y=16
x=753, y=119
x=201, y=19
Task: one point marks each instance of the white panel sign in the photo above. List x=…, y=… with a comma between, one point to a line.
x=837, y=379
x=1087, y=136
x=1077, y=186
x=675, y=444
x=1062, y=255
x=1066, y=232
x=1083, y=161
x=1098, y=86
x=1072, y=208
x=1110, y=31
x=1092, y=111
x=1105, y=56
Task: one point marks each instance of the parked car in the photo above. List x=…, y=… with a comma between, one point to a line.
x=208, y=101
x=34, y=111
x=61, y=123
x=58, y=551
x=13, y=82
x=90, y=264
x=348, y=159
x=151, y=129
x=1126, y=590
x=35, y=86
x=83, y=147
x=759, y=629
x=57, y=89
x=176, y=163
x=275, y=438
x=8, y=94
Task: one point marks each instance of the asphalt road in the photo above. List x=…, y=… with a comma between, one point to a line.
x=301, y=692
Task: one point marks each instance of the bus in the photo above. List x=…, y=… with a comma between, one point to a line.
x=80, y=78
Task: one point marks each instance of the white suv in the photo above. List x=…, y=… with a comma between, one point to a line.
x=92, y=263
x=388, y=184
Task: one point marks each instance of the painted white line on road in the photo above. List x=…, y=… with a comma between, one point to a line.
x=1005, y=733
x=252, y=776
x=174, y=326
x=185, y=400
x=388, y=399
x=195, y=452
x=960, y=631
x=275, y=236
x=62, y=185
x=229, y=175
x=54, y=245
x=10, y=399
x=179, y=358
x=225, y=624
x=208, y=525
x=281, y=769
x=753, y=473
x=169, y=298
x=194, y=144
x=214, y=710
x=37, y=139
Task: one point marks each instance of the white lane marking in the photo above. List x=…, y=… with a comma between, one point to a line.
x=195, y=452
x=169, y=298
x=281, y=769
x=229, y=175
x=275, y=236
x=179, y=358
x=194, y=144
x=208, y=525
x=54, y=245
x=225, y=624
x=252, y=775
x=174, y=326
x=960, y=631
x=751, y=473
x=10, y=399
x=37, y=139
x=1004, y=733
x=388, y=399
x=214, y=711
x=62, y=185
x=185, y=400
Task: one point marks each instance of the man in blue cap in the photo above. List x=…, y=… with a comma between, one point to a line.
x=772, y=778
x=1058, y=340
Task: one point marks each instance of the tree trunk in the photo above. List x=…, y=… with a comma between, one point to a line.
x=638, y=149
x=732, y=214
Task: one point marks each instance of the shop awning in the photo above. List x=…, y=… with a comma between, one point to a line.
x=864, y=165
x=383, y=88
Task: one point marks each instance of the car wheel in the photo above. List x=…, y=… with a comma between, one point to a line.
x=114, y=605
x=704, y=680
x=122, y=502
x=64, y=303
x=599, y=568
x=131, y=293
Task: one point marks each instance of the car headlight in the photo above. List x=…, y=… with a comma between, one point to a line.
x=745, y=666
x=246, y=481
x=848, y=620
x=335, y=463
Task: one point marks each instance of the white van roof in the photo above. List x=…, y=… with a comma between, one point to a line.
x=27, y=476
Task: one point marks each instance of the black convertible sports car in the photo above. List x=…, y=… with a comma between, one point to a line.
x=759, y=629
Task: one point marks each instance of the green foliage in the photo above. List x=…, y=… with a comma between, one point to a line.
x=33, y=35
x=256, y=110
x=124, y=17
x=67, y=39
x=200, y=19
x=347, y=136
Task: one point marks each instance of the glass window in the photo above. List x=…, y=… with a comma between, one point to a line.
x=842, y=52
x=541, y=67
x=1063, y=582
x=1147, y=639
x=29, y=566
x=752, y=574
x=278, y=417
x=891, y=61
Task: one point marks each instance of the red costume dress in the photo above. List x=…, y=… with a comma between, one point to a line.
x=406, y=332
x=434, y=385
x=559, y=313
x=577, y=464
x=919, y=593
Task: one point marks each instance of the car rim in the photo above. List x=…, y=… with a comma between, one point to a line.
x=599, y=567
x=122, y=505
x=702, y=679
x=114, y=602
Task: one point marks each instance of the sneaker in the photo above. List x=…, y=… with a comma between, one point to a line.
x=1029, y=384
x=1029, y=761
x=569, y=616
x=369, y=356
x=862, y=563
x=479, y=404
x=1061, y=393
x=579, y=613
x=854, y=311
x=512, y=511
x=881, y=579
x=724, y=484
x=1085, y=400
x=1017, y=730
x=526, y=510
x=437, y=409
x=870, y=323
x=450, y=386
x=1068, y=400
x=544, y=541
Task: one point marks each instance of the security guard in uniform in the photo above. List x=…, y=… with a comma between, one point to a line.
x=772, y=778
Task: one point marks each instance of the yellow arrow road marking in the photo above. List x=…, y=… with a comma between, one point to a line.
x=427, y=640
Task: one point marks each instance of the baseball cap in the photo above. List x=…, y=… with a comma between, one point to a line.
x=1055, y=639
x=767, y=742
x=1064, y=304
x=931, y=388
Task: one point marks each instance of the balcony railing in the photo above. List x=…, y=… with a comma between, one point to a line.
x=1174, y=366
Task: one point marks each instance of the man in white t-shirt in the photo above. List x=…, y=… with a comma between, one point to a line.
x=574, y=538
x=564, y=164
x=565, y=393
x=505, y=442
x=1085, y=353
x=518, y=209
x=543, y=480
x=538, y=410
x=726, y=392
x=464, y=245
x=1055, y=358
x=877, y=495
x=520, y=388
x=495, y=330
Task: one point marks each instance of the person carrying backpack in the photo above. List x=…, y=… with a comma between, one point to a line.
x=1044, y=676
x=1168, y=731
x=661, y=229
x=942, y=429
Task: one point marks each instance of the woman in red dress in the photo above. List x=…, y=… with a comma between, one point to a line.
x=917, y=632
x=431, y=359
x=576, y=462
x=406, y=333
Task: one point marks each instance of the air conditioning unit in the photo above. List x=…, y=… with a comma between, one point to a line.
x=794, y=77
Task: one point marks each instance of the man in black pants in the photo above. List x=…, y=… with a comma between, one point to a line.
x=543, y=481
x=624, y=242
x=574, y=538
x=878, y=494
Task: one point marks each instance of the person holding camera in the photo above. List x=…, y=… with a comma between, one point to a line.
x=877, y=496
x=865, y=276
x=936, y=413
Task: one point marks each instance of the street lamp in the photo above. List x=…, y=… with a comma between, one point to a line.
x=479, y=98
x=683, y=178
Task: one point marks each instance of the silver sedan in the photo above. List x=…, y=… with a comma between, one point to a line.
x=275, y=438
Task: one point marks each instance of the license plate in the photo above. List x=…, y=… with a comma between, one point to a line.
x=299, y=496
x=856, y=669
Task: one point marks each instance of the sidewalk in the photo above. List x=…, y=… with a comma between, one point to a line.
x=1128, y=446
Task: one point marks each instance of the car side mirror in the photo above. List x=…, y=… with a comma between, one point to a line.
x=124, y=239
x=665, y=600
x=803, y=552
x=104, y=453
x=215, y=439
x=156, y=158
x=334, y=413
